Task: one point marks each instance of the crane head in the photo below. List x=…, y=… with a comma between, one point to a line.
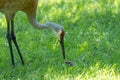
x=60, y=35
x=59, y=32
x=61, y=40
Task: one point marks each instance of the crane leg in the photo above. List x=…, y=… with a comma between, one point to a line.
x=9, y=38
x=15, y=42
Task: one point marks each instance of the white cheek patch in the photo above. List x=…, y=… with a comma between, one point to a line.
x=58, y=34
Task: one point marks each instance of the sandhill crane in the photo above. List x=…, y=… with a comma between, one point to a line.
x=10, y=7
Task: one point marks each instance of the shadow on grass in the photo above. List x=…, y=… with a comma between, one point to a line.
x=92, y=43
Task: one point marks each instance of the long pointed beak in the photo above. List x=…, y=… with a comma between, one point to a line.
x=62, y=46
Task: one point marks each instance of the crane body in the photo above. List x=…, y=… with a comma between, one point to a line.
x=10, y=7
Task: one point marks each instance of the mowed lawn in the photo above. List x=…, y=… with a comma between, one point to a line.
x=92, y=42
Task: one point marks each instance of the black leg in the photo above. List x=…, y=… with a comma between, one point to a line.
x=15, y=42
x=9, y=38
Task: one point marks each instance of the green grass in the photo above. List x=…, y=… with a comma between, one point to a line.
x=92, y=42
